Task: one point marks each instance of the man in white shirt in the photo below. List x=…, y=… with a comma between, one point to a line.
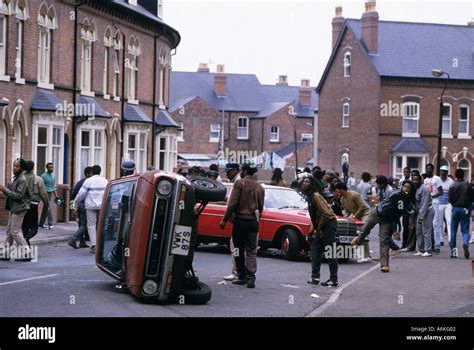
x=352, y=182
x=445, y=208
x=434, y=185
x=92, y=192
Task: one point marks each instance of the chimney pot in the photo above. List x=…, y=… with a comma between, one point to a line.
x=370, y=26
x=337, y=24
x=283, y=80
x=305, y=93
x=203, y=68
x=471, y=23
x=305, y=83
x=220, y=68
x=220, y=81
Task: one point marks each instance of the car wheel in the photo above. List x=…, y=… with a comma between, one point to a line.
x=208, y=190
x=290, y=244
x=200, y=294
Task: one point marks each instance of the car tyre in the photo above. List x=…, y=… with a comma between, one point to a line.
x=290, y=244
x=195, y=296
x=208, y=190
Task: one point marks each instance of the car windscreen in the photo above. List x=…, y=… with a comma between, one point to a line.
x=276, y=198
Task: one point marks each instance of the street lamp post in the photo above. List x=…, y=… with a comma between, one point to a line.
x=439, y=73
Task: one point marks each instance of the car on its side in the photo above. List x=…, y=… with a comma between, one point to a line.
x=284, y=225
x=147, y=234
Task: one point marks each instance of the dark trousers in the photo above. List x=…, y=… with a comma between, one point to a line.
x=409, y=232
x=81, y=232
x=385, y=234
x=30, y=223
x=326, y=238
x=45, y=212
x=245, y=236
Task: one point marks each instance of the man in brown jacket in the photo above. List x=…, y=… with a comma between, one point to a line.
x=325, y=222
x=244, y=208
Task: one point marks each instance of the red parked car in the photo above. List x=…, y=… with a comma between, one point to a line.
x=284, y=225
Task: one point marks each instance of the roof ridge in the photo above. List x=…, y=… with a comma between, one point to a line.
x=418, y=23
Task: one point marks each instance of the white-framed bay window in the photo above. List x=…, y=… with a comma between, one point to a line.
x=91, y=146
x=136, y=140
x=243, y=128
x=48, y=143
x=415, y=161
x=411, y=118
x=166, y=150
x=463, y=132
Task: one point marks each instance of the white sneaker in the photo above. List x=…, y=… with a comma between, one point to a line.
x=403, y=250
x=230, y=277
x=426, y=254
x=365, y=260
x=418, y=254
x=471, y=241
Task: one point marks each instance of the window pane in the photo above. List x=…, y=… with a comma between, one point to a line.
x=98, y=156
x=131, y=155
x=56, y=158
x=98, y=139
x=414, y=163
x=399, y=165
x=40, y=159
x=131, y=141
x=162, y=144
x=463, y=127
x=57, y=136
x=142, y=141
x=446, y=111
x=42, y=136
x=2, y=19
x=463, y=113
x=85, y=142
x=410, y=126
x=446, y=127
x=85, y=162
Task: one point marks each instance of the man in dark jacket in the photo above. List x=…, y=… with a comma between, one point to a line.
x=461, y=197
x=38, y=194
x=384, y=214
x=81, y=234
x=245, y=205
x=18, y=203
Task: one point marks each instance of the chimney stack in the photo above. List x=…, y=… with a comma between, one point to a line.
x=203, y=68
x=337, y=23
x=282, y=80
x=305, y=93
x=370, y=26
x=471, y=23
x=220, y=81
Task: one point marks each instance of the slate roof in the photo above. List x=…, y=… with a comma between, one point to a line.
x=45, y=100
x=245, y=93
x=90, y=101
x=290, y=148
x=410, y=145
x=407, y=49
x=270, y=109
x=133, y=113
x=163, y=118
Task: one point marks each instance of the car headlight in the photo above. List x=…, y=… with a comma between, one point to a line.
x=164, y=187
x=150, y=287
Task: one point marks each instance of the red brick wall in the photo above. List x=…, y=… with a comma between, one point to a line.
x=361, y=138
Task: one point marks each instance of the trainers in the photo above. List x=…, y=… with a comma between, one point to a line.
x=240, y=282
x=403, y=250
x=471, y=241
x=251, y=282
x=418, y=253
x=385, y=269
x=441, y=243
x=50, y=227
x=43, y=226
x=437, y=250
x=92, y=251
x=73, y=243
x=425, y=254
x=466, y=251
x=83, y=244
x=313, y=281
x=330, y=283
x=230, y=277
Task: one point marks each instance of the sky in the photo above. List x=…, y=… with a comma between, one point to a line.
x=281, y=37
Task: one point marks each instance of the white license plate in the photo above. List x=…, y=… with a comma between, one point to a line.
x=345, y=239
x=181, y=240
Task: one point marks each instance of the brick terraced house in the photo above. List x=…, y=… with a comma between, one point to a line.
x=82, y=83
x=258, y=120
x=379, y=102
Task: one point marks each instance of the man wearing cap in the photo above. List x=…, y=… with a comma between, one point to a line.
x=245, y=205
x=232, y=173
x=445, y=208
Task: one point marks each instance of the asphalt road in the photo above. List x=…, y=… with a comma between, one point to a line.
x=66, y=282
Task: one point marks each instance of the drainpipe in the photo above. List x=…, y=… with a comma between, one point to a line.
x=153, y=130
x=122, y=120
x=74, y=91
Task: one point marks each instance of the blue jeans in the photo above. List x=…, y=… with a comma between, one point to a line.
x=460, y=216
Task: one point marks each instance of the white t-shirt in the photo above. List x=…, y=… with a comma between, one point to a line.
x=432, y=184
x=446, y=185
